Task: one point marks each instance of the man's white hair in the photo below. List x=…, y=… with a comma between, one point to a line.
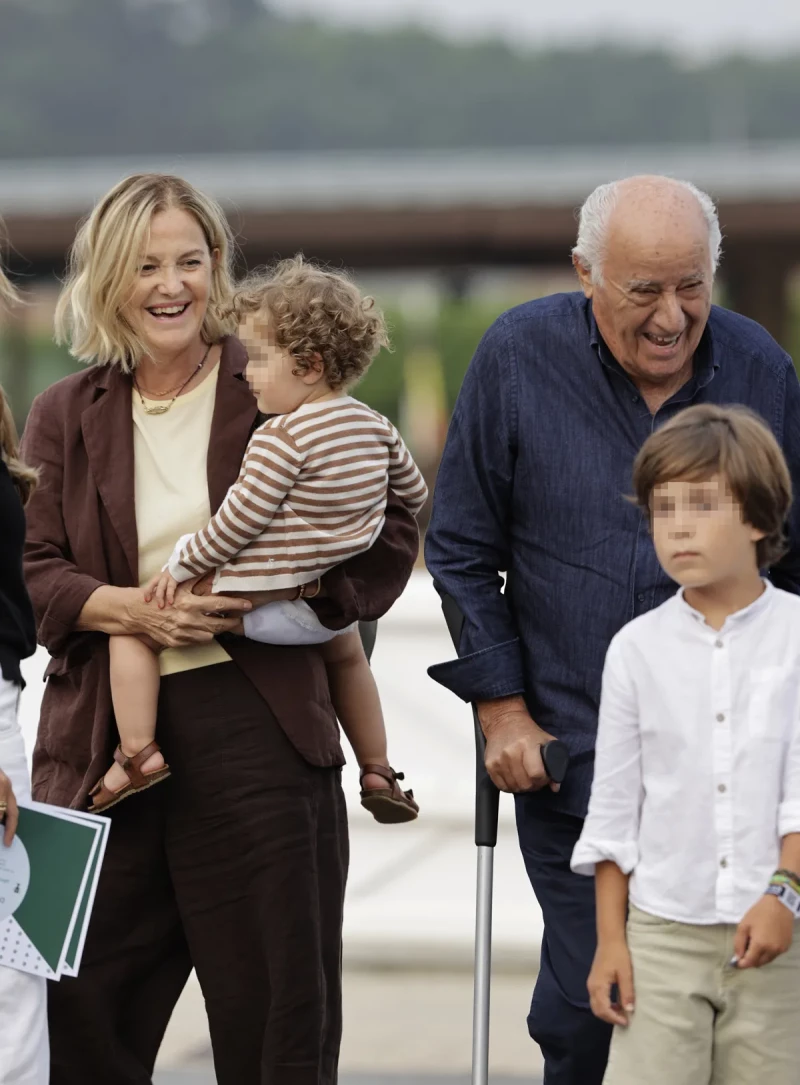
x=590, y=248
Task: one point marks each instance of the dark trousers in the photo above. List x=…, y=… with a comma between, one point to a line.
x=236, y=865
x=574, y=1042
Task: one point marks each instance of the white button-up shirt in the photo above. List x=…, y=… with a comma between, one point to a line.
x=697, y=771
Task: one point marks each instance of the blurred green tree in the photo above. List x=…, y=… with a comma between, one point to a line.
x=181, y=76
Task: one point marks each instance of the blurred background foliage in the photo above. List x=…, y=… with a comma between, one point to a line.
x=138, y=77
x=229, y=75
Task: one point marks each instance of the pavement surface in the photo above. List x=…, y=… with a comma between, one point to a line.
x=400, y=1028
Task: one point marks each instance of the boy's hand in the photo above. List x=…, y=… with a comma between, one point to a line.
x=612, y=965
x=162, y=588
x=764, y=933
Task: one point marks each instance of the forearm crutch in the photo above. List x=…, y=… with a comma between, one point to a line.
x=556, y=758
x=486, y=806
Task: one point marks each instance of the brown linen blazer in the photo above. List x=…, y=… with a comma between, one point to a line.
x=82, y=534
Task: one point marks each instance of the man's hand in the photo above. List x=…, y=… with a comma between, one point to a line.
x=764, y=933
x=612, y=966
x=514, y=746
x=9, y=814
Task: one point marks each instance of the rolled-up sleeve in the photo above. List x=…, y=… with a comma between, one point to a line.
x=611, y=829
x=467, y=545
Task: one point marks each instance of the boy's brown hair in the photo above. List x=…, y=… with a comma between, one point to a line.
x=313, y=313
x=732, y=442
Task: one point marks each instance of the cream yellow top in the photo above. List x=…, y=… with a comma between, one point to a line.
x=170, y=454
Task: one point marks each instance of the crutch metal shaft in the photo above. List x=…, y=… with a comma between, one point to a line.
x=483, y=968
x=486, y=809
x=555, y=757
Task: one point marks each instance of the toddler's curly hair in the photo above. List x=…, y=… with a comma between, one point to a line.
x=310, y=311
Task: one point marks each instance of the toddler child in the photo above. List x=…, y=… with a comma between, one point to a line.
x=693, y=830
x=311, y=493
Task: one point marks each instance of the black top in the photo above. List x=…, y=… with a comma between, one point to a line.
x=17, y=624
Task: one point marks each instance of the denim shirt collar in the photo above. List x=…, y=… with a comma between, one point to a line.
x=706, y=357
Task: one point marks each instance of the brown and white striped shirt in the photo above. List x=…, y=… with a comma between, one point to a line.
x=311, y=494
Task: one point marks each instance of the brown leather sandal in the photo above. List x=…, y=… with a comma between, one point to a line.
x=388, y=805
x=103, y=798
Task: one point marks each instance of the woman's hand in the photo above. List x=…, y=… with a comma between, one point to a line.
x=205, y=586
x=261, y=598
x=9, y=813
x=192, y=619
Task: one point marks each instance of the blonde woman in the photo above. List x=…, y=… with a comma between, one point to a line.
x=236, y=865
x=23, y=999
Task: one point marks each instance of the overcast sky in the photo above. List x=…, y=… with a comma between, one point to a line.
x=696, y=26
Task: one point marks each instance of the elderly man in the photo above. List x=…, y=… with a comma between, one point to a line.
x=558, y=399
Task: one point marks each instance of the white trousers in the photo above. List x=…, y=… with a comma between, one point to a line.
x=24, y=1044
x=288, y=622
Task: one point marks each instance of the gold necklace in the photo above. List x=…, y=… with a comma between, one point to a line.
x=149, y=392
x=162, y=408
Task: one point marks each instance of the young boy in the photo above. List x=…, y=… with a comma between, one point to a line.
x=693, y=828
x=311, y=493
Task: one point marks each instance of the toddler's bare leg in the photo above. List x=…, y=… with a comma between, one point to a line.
x=355, y=698
x=135, y=682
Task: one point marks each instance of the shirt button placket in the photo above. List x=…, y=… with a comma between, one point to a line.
x=722, y=753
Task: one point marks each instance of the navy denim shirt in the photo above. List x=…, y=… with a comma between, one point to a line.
x=533, y=481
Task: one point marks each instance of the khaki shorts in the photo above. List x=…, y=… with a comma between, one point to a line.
x=699, y=1022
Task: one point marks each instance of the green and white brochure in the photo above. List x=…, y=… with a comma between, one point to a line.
x=48, y=880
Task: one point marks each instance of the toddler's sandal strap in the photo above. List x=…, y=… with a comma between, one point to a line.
x=132, y=766
x=103, y=798
x=388, y=805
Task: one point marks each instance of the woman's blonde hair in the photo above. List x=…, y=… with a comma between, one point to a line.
x=733, y=442
x=8, y=292
x=316, y=314
x=104, y=261
x=24, y=477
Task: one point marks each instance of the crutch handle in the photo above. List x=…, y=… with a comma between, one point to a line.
x=487, y=797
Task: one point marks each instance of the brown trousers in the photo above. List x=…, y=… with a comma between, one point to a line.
x=236, y=865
